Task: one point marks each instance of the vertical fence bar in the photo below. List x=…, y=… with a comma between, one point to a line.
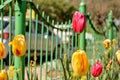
x=72, y=45
x=109, y=22
x=10, y=33
x=36, y=40
x=20, y=10
x=69, y=51
x=51, y=58
x=56, y=52
x=76, y=41
x=29, y=37
x=2, y=31
x=81, y=36
x=46, y=55
x=65, y=39
x=41, y=47
x=61, y=46
x=110, y=32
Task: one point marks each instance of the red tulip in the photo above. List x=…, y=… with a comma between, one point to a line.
x=78, y=22
x=97, y=69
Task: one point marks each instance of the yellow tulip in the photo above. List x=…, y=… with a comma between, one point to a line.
x=32, y=63
x=109, y=65
x=118, y=56
x=80, y=64
x=18, y=45
x=107, y=43
x=2, y=50
x=3, y=75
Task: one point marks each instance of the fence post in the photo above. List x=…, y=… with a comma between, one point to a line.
x=81, y=37
x=109, y=24
x=20, y=11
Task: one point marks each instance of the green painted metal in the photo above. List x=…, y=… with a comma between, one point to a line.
x=81, y=37
x=2, y=31
x=46, y=55
x=61, y=46
x=56, y=52
x=29, y=37
x=69, y=51
x=51, y=58
x=65, y=46
x=5, y=3
x=10, y=34
x=41, y=47
x=36, y=39
x=72, y=45
x=76, y=40
x=20, y=10
x=109, y=24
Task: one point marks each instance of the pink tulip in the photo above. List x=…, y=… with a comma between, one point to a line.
x=97, y=69
x=78, y=22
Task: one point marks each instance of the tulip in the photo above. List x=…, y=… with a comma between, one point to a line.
x=3, y=75
x=118, y=56
x=109, y=64
x=97, y=69
x=113, y=41
x=32, y=63
x=107, y=43
x=80, y=64
x=18, y=45
x=78, y=22
x=2, y=50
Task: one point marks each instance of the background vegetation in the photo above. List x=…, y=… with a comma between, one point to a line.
x=62, y=10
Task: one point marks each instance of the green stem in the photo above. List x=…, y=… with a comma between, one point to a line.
x=20, y=68
x=63, y=69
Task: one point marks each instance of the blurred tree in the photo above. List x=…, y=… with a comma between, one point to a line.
x=59, y=10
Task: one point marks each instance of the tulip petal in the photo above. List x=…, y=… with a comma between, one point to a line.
x=80, y=63
x=78, y=22
x=18, y=45
x=97, y=69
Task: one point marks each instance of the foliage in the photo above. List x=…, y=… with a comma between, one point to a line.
x=59, y=10
x=99, y=9
x=111, y=67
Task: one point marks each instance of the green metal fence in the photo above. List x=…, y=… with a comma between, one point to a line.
x=47, y=41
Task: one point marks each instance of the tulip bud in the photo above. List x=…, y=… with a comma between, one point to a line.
x=18, y=45
x=97, y=69
x=78, y=22
x=107, y=43
x=118, y=56
x=32, y=63
x=3, y=75
x=2, y=50
x=80, y=64
x=109, y=64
